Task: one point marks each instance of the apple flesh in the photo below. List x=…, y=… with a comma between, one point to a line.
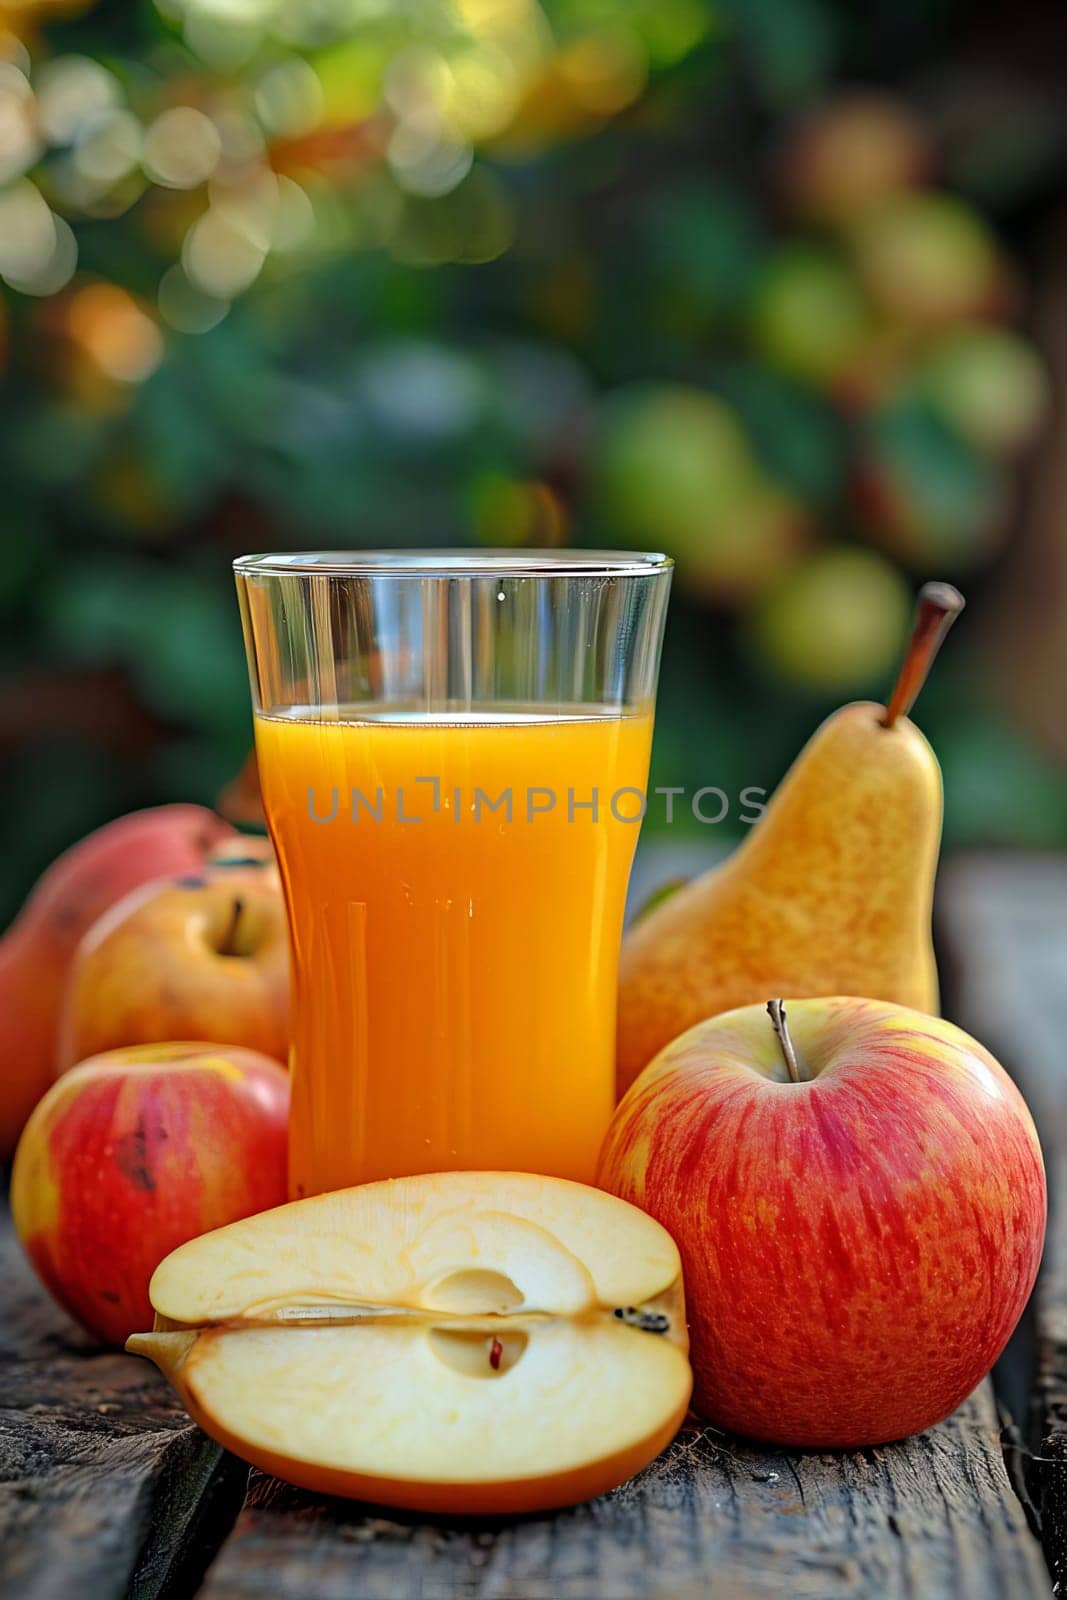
x=203, y=956
x=133, y=1153
x=38, y=948
x=460, y=1342
x=857, y=1245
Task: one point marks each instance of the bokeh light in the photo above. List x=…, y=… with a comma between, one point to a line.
x=20, y=137
x=111, y=328
x=185, y=307
x=289, y=98
x=220, y=256
x=108, y=148
x=72, y=91
x=38, y=251
x=182, y=148
x=604, y=72
x=313, y=129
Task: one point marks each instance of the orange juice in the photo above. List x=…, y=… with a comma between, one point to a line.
x=456, y=921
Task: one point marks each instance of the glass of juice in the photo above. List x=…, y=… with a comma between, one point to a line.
x=453, y=751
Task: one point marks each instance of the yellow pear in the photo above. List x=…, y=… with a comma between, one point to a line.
x=830, y=894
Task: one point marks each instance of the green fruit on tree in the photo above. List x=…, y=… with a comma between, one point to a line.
x=809, y=314
x=989, y=385
x=835, y=624
x=928, y=259
x=668, y=460
x=729, y=561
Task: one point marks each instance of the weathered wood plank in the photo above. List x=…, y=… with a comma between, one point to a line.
x=1047, y=1474
x=933, y=1518
x=105, y=1486
x=1003, y=922
x=105, y=1489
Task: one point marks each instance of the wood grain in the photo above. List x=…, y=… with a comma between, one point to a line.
x=929, y=1519
x=106, y=1490
x=1003, y=922
x=105, y=1486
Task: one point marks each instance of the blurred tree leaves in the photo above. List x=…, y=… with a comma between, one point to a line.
x=790, y=47
x=438, y=368
x=703, y=243
x=798, y=440
x=172, y=630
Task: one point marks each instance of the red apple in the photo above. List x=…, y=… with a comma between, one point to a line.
x=205, y=956
x=37, y=950
x=132, y=1154
x=859, y=1233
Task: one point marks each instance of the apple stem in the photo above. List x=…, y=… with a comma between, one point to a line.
x=776, y=1012
x=938, y=606
x=228, y=947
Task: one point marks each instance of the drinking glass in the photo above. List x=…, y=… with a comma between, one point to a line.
x=453, y=752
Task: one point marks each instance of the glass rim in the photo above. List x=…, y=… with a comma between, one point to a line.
x=459, y=563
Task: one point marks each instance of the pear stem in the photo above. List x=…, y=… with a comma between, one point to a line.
x=776, y=1012
x=938, y=606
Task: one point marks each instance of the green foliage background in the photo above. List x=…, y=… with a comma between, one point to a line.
x=409, y=389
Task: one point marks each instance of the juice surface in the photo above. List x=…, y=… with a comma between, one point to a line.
x=454, y=970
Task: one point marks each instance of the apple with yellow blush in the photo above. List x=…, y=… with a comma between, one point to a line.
x=202, y=956
x=38, y=948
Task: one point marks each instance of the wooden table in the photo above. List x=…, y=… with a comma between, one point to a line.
x=107, y=1490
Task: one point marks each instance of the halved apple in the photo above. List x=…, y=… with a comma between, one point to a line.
x=471, y=1342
